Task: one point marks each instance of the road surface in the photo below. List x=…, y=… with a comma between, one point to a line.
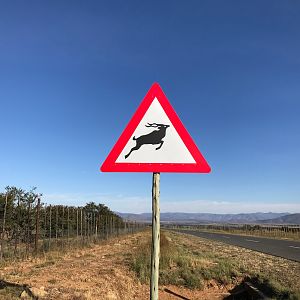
x=283, y=248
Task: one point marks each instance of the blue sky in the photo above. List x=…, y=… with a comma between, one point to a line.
x=72, y=73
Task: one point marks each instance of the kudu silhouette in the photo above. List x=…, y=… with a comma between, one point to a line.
x=153, y=138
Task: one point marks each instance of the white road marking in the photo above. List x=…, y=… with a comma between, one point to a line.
x=252, y=241
x=226, y=237
x=295, y=247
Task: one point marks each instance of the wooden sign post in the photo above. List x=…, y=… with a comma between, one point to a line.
x=155, y=251
x=155, y=141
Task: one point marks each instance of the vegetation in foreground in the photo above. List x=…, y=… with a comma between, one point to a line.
x=103, y=270
x=180, y=265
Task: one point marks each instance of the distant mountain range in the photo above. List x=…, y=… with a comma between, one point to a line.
x=287, y=219
x=201, y=218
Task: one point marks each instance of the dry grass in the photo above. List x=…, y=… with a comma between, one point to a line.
x=197, y=264
x=208, y=268
x=10, y=294
x=180, y=266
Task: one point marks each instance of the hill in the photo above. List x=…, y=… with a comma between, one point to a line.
x=288, y=219
x=194, y=218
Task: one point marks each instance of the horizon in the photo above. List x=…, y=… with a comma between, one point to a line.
x=143, y=205
x=178, y=212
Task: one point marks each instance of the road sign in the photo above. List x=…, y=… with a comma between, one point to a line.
x=155, y=140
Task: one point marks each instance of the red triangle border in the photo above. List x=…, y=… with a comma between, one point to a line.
x=110, y=165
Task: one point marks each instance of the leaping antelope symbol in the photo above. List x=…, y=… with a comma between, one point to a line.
x=153, y=138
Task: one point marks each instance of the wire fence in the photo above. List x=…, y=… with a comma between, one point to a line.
x=263, y=230
x=36, y=228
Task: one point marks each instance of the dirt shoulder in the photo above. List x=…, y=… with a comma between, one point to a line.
x=252, y=263
x=103, y=271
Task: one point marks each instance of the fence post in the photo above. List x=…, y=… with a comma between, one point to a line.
x=96, y=225
x=87, y=224
x=68, y=220
x=50, y=226
x=37, y=226
x=28, y=229
x=62, y=222
x=77, y=223
x=56, y=225
x=17, y=227
x=81, y=222
x=106, y=226
x=3, y=227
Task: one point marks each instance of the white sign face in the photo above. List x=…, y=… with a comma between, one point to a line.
x=155, y=140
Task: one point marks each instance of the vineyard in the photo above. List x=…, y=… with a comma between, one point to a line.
x=30, y=227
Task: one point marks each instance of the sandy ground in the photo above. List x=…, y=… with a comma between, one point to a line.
x=102, y=272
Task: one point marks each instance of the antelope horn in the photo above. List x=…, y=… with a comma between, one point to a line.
x=151, y=125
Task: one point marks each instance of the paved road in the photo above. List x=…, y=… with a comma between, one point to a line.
x=283, y=248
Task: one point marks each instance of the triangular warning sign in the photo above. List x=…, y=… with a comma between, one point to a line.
x=155, y=140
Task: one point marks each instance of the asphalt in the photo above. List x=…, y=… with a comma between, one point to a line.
x=282, y=248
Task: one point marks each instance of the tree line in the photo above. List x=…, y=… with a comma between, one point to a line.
x=28, y=225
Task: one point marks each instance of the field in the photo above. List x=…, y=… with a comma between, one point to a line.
x=118, y=268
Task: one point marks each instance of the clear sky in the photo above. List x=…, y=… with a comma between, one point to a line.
x=72, y=73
